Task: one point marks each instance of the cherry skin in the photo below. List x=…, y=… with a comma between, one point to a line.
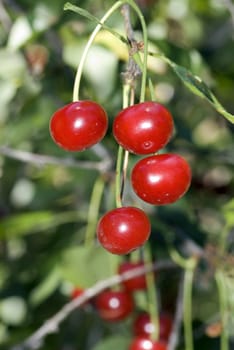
x=161, y=179
x=143, y=128
x=136, y=283
x=144, y=343
x=143, y=326
x=76, y=292
x=114, y=305
x=122, y=230
x=78, y=125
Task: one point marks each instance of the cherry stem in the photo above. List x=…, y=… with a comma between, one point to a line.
x=220, y=280
x=126, y=153
x=152, y=295
x=188, y=285
x=124, y=171
x=152, y=92
x=224, y=238
x=118, y=174
x=76, y=87
x=93, y=212
x=99, y=26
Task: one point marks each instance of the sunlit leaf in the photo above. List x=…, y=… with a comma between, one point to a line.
x=46, y=287
x=20, y=33
x=88, y=15
x=228, y=210
x=198, y=87
x=22, y=224
x=13, y=310
x=115, y=342
x=84, y=266
x=12, y=67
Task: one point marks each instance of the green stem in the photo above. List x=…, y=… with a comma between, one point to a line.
x=118, y=172
x=99, y=26
x=187, y=300
x=118, y=182
x=94, y=210
x=124, y=171
x=128, y=100
x=152, y=92
x=223, y=308
x=152, y=295
x=177, y=258
x=76, y=87
x=223, y=239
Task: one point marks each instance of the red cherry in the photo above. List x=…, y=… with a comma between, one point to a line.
x=144, y=343
x=166, y=323
x=122, y=230
x=78, y=125
x=76, y=292
x=143, y=326
x=143, y=128
x=136, y=283
x=161, y=179
x=114, y=305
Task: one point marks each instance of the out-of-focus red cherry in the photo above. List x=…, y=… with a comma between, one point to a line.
x=143, y=326
x=114, y=305
x=136, y=283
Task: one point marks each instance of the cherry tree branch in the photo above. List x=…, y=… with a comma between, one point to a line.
x=4, y=17
x=35, y=341
x=42, y=160
x=132, y=70
x=230, y=7
x=174, y=336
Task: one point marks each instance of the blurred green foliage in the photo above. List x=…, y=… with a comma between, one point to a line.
x=43, y=209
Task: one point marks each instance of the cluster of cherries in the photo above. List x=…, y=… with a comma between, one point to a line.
x=117, y=305
x=158, y=179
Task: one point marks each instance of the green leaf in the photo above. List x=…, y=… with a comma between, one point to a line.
x=228, y=212
x=115, y=342
x=13, y=66
x=199, y=88
x=84, y=266
x=194, y=83
x=22, y=224
x=13, y=310
x=46, y=287
x=20, y=33
x=88, y=15
x=230, y=300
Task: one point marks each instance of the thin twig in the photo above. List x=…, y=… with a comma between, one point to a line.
x=132, y=71
x=230, y=7
x=127, y=22
x=4, y=17
x=174, y=336
x=42, y=160
x=35, y=341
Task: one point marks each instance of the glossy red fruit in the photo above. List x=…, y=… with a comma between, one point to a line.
x=76, y=292
x=143, y=128
x=144, y=343
x=114, y=305
x=78, y=125
x=161, y=179
x=122, y=230
x=166, y=323
x=136, y=283
x=143, y=326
